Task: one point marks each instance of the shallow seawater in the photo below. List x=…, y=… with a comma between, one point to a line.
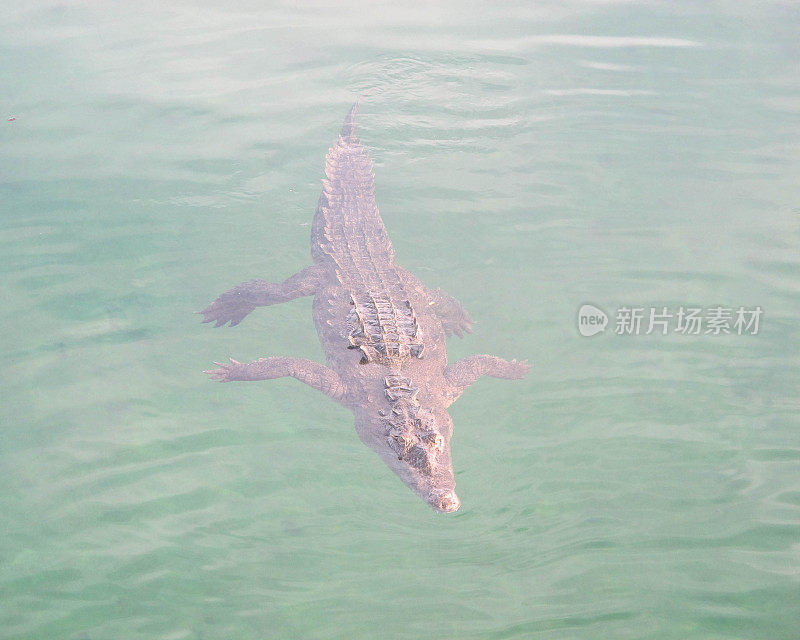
x=530, y=158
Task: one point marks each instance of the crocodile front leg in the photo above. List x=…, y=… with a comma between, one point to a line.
x=312, y=373
x=453, y=316
x=237, y=303
x=463, y=373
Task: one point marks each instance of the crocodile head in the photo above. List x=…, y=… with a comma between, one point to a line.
x=415, y=444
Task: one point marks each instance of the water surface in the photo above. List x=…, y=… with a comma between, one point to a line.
x=530, y=158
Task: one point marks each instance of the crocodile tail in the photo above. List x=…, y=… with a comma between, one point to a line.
x=349, y=126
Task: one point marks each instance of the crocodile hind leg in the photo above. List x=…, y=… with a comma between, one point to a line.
x=312, y=373
x=463, y=373
x=237, y=303
x=453, y=316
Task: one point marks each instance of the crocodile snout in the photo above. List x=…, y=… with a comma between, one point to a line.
x=445, y=502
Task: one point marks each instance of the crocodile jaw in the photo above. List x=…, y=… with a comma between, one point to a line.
x=437, y=489
x=424, y=464
x=438, y=492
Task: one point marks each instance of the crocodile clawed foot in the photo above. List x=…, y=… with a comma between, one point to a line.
x=226, y=372
x=517, y=369
x=460, y=327
x=229, y=307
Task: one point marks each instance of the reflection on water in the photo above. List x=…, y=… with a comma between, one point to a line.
x=529, y=160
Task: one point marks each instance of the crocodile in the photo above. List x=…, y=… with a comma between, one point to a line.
x=382, y=330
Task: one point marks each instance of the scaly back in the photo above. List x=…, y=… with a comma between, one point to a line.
x=347, y=222
x=349, y=234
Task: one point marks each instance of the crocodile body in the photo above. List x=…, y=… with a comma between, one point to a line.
x=382, y=330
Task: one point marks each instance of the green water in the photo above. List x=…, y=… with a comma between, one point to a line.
x=530, y=158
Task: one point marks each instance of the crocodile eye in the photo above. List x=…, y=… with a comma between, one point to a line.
x=435, y=440
x=399, y=441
